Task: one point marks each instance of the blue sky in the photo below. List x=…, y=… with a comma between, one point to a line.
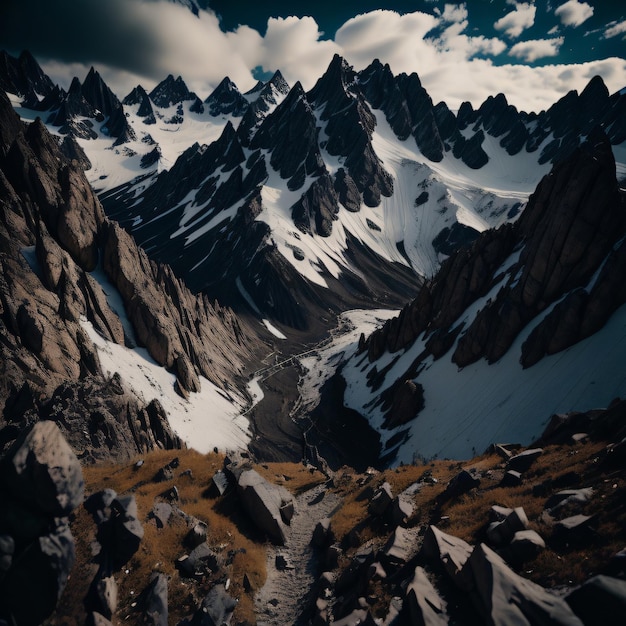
x=532, y=51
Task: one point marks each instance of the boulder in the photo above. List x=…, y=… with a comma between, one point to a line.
x=196, y=535
x=566, y=497
x=263, y=503
x=38, y=574
x=501, y=533
x=42, y=471
x=503, y=597
x=322, y=534
x=448, y=552
x=577, y=529
x=200, y=561
x=398, y=549
x=511, y=478
x=422, y=605
x=119, y=535
x=161, y=513
x=462, y=483
x=152, y=601
x=102, y=596
x=600, y=601
x=216, y=609
x=525, y=546
x=523, y=461
x=398, y=512
x=381, y=499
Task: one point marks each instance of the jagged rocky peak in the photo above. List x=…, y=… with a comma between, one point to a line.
x=290, y=133
x=24, y=77
x=171, y=91
x=269, y=95
x=139, y=96
x=98, y=93
x=226, y=99
x=71, y=114
x=349, y=125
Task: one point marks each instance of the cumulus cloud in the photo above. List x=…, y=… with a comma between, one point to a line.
x=574, y=13
x=137, y=42
x=615, y=29
x=535, y=49
x=516, y=22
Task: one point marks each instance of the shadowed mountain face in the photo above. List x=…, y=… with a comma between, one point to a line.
x=507, y=302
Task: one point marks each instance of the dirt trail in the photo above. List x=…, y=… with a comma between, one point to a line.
x=286, y=593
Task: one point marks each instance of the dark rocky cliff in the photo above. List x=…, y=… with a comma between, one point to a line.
x=53, y=234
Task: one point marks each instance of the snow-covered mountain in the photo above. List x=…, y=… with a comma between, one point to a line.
x=296, y=204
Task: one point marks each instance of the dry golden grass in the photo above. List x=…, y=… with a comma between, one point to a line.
x=161, y=547
x=295, y=477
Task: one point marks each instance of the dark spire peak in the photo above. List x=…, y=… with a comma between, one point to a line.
x=75, y=86
x=596, y=88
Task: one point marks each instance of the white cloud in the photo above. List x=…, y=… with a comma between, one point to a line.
x=615, y=29
x=447, y=62
x=554, y=30
x=453, y=13
x=516, y=22
x=574, y=13
x=535, y=49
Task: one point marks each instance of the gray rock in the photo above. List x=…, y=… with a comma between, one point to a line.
x=568, y=496
x=216, y=608
x=263, y=502
x=120, y=535
x=422, y=605
x=152, y=601
x=196, y=535
x=381, y=499
x=219, y=484
x=462, y=483
x=511, y=478
x=398, y=549
x=102, y=596
x=577, y=529
x=200, y=561
x=501, y=533
x=322, y=534
x=525, y=546
x=600, y=601
x=161, y=514
x=524, y=460
x=503, y=597
x=42, y=470
x=399, y=511
x=33, y=586
x=449, y=552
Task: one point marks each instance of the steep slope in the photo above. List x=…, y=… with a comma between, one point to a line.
x=508, y=324
x=68, y=272
x=345, y=196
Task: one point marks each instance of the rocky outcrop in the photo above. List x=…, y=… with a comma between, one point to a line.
x=267, y=505
x=349, y=127
x=569, y=230
x=41, y=484
x=226, y=99
x=24, y=77
x=53, y=233
x=291, y=134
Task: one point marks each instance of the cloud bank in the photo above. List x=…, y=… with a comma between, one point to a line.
x=141, y=41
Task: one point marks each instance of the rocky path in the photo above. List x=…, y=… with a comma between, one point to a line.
x=286, y=592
